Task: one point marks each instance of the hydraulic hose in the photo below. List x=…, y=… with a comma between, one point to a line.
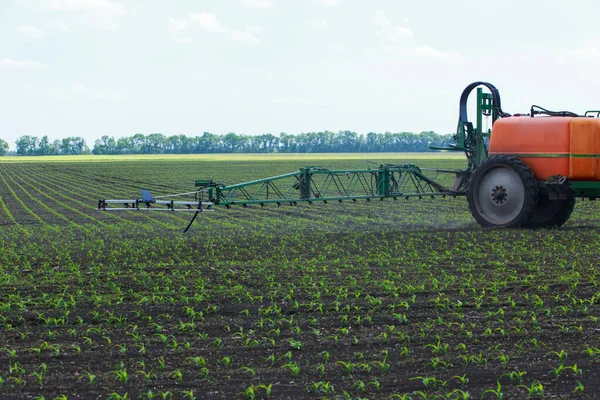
x=462, y=117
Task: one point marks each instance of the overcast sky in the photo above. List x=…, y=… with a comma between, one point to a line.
x=118, y=67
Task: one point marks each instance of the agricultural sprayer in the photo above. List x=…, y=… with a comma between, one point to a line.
x=524, y=171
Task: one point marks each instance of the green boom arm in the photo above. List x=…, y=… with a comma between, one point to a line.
x=309, y=184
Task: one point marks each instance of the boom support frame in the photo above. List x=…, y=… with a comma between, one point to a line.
x=314, y=184
x=308, y=185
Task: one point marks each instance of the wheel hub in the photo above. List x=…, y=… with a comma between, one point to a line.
x=499, y=195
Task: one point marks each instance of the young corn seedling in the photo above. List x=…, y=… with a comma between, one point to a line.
x=359, y=386
x=177, y=374
x=294, y=368
x=295, y=344
x=40, y=373
x=321, y=369
x=249, y=370
x=562, y=355
x=536, y=388
x=188, y=394
x=249, y=392
x=321, y=388
x=376, y=384
x=121, y=375
x=267, y=388
x=147, y=375
x=461, y=379
x=438, y=347
x=116, y=396
x=436, y=363
x=348, y=367
x=429, y=381
x=495, y=393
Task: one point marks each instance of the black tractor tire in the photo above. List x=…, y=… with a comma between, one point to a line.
x=552, y=213
x=502, y=192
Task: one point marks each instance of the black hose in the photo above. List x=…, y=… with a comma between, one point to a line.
x=193, y=218
x=198, y=211
x=463, y=118
x=552, y=113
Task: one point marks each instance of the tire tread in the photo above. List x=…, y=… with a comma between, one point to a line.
x=529, y=185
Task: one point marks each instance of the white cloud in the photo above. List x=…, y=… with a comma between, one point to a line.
x=210, y=23
x=78, y=88
x=30, y=31
x=109, y=95
x=585, y=53
x=423, y=51
x=245, y=36
x=99, y=13
x=318, y=24
x=255, y=28
x=388, y=31
x=177, y=24
x=33, y=32
x=73, y=92
x=102, y=6
x=380, y=19
x=330, y=3
x=183, y=40
x=395, y=33
x=55, y=25
x=8, y=63
x=336, y=47
x=257, y=3
x=207, y=21
x=430, y=52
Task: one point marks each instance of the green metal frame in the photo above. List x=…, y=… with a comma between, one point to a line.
x=317, y=184
x=586, y=189
x=471, y=139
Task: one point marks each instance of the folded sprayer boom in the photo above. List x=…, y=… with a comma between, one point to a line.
x=308, y=185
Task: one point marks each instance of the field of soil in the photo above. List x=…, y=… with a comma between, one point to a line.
x=406, y=299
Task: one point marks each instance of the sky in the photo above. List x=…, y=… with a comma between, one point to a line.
x=118, y=67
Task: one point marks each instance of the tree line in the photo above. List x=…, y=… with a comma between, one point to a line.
x=310, y=142
x=34, y=146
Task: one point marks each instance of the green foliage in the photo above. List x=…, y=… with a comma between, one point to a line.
x=3, y=147
x=311, y=142
x=33, y=146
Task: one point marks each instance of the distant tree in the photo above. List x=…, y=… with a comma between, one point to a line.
x=73, y=146
x=231, y=142
x=105, y=145
x=287, y=142
x=65, y=146
x=3, y=147
x=209, y=143
x=155, y=143
x=178, y=144
x=56, y=146
x=125, y=145
x=309, y=142
x=45, y=147
x=26, y=145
